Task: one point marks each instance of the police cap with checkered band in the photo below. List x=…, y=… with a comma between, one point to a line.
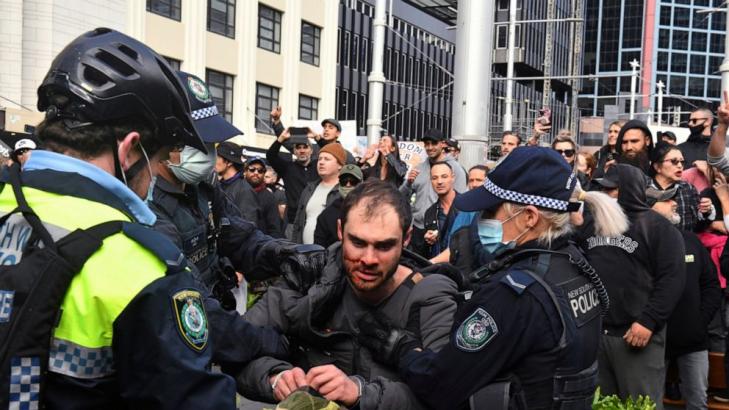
x=528, y=176
x=210, y=125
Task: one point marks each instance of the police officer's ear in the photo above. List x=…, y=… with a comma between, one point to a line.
x=126, y=152
x=532, y=216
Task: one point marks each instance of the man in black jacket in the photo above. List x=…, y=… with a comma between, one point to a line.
x=643, y=271
x=695, y=147
x=255, y=169
x=687, y=328
x=296, y=174
x=229, y=167
x=634, y=145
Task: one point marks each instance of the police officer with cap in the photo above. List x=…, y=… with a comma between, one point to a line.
x=528, y=336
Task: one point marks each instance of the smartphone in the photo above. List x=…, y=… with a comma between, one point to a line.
x=545, y=116
x=298, y=130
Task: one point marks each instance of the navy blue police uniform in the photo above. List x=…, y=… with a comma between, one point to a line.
x=529, y=333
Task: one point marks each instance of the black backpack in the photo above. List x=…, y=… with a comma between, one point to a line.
x=31, y=293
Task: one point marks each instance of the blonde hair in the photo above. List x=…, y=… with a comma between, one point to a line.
x=610, y=220
x=558, y=223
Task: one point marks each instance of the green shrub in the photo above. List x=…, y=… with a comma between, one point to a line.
x=613, y=402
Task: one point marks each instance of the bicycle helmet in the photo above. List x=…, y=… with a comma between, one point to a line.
x=105, y=75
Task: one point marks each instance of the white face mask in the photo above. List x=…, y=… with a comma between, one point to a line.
x=195, y=166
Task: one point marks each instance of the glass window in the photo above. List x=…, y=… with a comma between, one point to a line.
x=221, y=89
x=308, y=107
x=714, y=63
x=269, y=29
x=502, y=36
x=680, y=40
x=310, y=43
x=664, y=38
x=678, y=63
x=698, y=41
x=266, y=100
x=345, y=49
x=696, y=86
x=698, y=64
x=666, y=15
x=716, y=44
x=662, y=61
x=354, y=51
x=713, y=88
x=681, y=16
x=221, y=17
x=718, y=21
x=175, y=64
x=700, y=20
x=166, y=8
x=677, y=85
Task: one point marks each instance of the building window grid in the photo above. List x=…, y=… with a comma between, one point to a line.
x=269, y=29
x=221, y=17
x=166, y=8
x=221, y=89
x=310, y=43
x=266, y=100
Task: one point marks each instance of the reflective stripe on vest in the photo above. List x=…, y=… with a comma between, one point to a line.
x=109, y=280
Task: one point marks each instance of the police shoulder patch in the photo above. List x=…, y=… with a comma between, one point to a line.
x=476, y=331
x=517, y=280
x=192, y=321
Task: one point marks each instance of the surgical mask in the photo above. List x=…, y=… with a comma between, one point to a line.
x=195, y=166
x=344, y=191
x=697, y=130
x=491, y=235
x=150, y=190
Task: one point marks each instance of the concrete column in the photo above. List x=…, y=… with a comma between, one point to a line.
x=244, y=87
x=136, y=19
x=472, y=88
x=328, y=59
x=376, y=79
x=194, y=17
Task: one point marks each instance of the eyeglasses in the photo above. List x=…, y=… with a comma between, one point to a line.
x=675, y=161
x=569, y=153
x=695, y=120
x=256, y=169
x=348, y=182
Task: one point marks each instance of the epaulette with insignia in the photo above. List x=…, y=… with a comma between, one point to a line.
x=518, y=281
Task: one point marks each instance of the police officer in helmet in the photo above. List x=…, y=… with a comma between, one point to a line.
x=134, y=329
x=529, y=334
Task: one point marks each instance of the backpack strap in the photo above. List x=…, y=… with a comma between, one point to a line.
x=158, y=244
x=25, y=209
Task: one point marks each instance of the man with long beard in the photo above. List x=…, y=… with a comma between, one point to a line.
x=363, y=274
x=635, y=144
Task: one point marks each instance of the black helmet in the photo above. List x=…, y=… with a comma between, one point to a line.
x=105, y=75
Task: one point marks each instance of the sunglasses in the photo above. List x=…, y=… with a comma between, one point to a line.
x=346, y=182
x=256, y=169
x=675, y=161
x=566, y=152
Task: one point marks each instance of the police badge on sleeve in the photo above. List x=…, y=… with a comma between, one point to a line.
x=476, y=331
x=192, y=321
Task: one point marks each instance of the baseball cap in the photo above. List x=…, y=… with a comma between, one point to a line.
x=255, y=160
x=434, y=134
x=210, y=125
x=536, y=176
x=333, y=122
x=653, y=195
x=611, y=180
x=353, y=170
x=453, y=144
x=24, y=143
x=231, y=151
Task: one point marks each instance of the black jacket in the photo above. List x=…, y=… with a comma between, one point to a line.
x=602, y=157
x=297, y=235
x=241, y=194
x=694, y=149
x=326, y=224
x=643, y=270
x=687, y=327
x=270, y=219
x=396, y=170
x=294, y=174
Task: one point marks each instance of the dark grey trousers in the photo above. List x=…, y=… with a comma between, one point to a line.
x=628, y=371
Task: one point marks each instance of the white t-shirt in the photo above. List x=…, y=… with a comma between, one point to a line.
x=314, y=207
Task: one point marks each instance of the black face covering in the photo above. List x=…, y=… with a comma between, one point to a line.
x=697, y=130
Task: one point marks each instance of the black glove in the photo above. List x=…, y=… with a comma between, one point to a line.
x=386, y=342
x=299, y=265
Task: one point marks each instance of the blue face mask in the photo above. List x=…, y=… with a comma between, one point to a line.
x=491, y=235
x=150, y=190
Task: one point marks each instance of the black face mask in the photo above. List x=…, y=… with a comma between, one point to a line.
x=697, y=130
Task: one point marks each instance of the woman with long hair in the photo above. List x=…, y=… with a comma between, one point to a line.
x=388, y=165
